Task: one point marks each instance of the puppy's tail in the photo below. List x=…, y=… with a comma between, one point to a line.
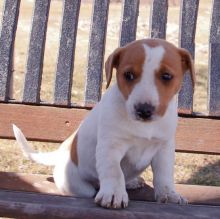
x=48, y=158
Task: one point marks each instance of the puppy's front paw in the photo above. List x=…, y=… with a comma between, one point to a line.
x=171, y=197
x=112, y=198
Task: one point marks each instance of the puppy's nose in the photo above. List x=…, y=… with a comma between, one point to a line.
x=144, y=111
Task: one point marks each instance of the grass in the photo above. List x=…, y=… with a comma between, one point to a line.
x=189, y=168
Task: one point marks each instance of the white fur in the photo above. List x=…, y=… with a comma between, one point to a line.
x=43, y=158
x=114, y=148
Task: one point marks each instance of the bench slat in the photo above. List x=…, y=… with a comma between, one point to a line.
x=50, y=123
x=198, y=135
x=188, y=19
x=214, y=57
x=129, y=21
x=96, y=51
x=56, y=124
x=33, y=75
x=209, y=195
x=7, y=38
x=33, y=205
x=158, y=19
x=63, y=83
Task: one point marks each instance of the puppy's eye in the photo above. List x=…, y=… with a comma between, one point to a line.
x=166, y=76
x=129, y=76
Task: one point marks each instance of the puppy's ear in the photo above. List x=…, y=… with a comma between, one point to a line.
x=112, y=62
x=187, y=64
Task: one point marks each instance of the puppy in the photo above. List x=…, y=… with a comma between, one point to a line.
x=132, y=127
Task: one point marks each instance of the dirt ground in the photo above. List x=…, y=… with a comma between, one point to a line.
x=189, y=168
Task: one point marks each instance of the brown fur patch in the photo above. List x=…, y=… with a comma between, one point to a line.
x=170, y=63
x=187, y=64
x=131, y=58
x=176, y=62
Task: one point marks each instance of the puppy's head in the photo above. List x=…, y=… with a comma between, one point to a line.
x=149, y=73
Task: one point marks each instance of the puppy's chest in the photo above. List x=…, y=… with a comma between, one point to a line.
x=140, y=155
x=152, y=132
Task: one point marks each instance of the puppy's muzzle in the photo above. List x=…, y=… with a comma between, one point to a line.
x=144, y=111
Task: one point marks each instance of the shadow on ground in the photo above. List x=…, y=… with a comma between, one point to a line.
x=207, y=175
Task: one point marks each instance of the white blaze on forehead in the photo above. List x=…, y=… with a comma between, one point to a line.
x=153, y=58
x=146, y=91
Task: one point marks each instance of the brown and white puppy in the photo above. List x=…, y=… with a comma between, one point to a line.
x=132, y=127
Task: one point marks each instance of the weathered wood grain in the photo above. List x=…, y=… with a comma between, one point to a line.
x=40, y=122
x=96, y=51
x=129, y=21
x=56, y=124
x=188, y=21
x=196, y=194
x=158, y=19
x=35, y=59
x=65, y=64
x=214, y=57
x=7, y=38
x=198, y=135
x=32, y=205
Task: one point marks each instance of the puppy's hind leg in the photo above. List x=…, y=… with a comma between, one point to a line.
x=69, y=182
x=136, y=183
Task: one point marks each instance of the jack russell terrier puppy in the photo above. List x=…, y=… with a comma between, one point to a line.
x=132, y=127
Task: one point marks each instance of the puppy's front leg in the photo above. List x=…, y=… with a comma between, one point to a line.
x=163, y=175
x=112, y=193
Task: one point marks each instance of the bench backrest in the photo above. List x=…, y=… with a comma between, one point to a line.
x=48, y=119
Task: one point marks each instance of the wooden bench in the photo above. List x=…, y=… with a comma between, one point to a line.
x=35, y=196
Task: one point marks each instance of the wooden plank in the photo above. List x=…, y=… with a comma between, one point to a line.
x=40, y=122
x=65, y=66
x=33, y=205
x=214, y=57
x=195, y=194
x=129, y=21
x=188, y=19
x=195, y=135
x=198, y=135
x=96, y=51
x=36, y=52
x=158, y=19
x=209, y=195
x=7, y=38
x=28, y=182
